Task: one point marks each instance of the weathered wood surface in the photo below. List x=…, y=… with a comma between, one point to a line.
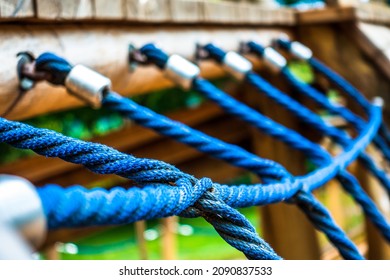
x=16, y=9
x=105, y=49
x=326, y=15
x=173, y=11
x=374, y=12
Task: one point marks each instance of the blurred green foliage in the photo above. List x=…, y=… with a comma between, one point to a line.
x=302, y=70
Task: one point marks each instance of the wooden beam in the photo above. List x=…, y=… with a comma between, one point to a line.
x=372, y=12
x=162, y=11
x=105, y=49
x=326, y=15
x=374, y=42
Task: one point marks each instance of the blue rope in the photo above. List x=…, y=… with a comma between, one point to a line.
x=153, y=173
x=316, y=122
x=268, y=126
x=355, y=94
x=161, y=59
x=53, y=144
x=322, y=101
x=312, y=119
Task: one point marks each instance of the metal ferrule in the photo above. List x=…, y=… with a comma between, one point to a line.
x=21, y=209
x=181, y=71
x=274, y=59
x=378, y=101
x=87, y=84
x=300, y=51
x=236, y=65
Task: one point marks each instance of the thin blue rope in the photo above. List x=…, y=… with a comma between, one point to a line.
x=315, y=121
x=194, y=138
x=353, y=92
x=322, y=100
x=312, y=119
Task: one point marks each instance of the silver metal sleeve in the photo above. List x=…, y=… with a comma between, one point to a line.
x=87, y=84
x=236, y=65
x=300, y=51
x=21, y=209
x=274, y=59
x=181, y=71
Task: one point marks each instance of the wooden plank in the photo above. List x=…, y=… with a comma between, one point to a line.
x=11, y=9
x=326, y=15
x=374, y=12
x=113, y=10
x=148, y=11
x=65, y=10
x=187, y=11
x=104, y=49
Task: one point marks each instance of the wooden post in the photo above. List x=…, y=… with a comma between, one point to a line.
x=284, y=226
x=140, y=228
x=169, y=238
x=332, y=3
x=50, y=252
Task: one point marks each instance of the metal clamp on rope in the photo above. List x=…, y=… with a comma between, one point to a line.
x=21, y=209
x=87, y=85
x=300, y=51
x=236, y=65
x=274, y=59
x=181, y=71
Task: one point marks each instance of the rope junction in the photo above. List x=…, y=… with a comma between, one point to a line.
x=163, y=190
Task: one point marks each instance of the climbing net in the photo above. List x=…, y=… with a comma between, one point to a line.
x=162, y=190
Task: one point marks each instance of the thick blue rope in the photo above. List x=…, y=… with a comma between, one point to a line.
x=153, y=173
x=266, y=125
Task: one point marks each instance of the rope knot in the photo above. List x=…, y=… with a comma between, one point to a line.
x=56, y=67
